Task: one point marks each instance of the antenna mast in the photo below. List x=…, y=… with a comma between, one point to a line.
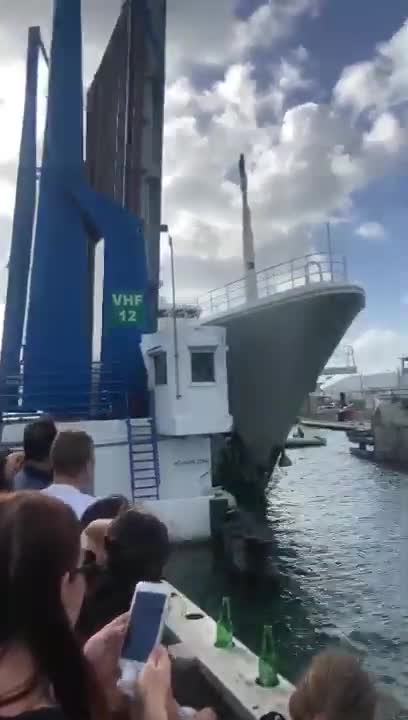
x=247, y=236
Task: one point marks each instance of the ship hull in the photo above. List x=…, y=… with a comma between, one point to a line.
x=277, y=348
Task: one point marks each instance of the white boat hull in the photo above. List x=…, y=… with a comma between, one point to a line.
x=187, y=502
x=278, y=346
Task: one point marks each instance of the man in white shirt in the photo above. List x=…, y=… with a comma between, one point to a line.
x=73, y=462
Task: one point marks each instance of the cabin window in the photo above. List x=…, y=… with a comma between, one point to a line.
x=160, y=368
x=202, y=366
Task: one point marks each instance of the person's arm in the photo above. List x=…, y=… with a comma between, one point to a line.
x=155, y=685
x=102, y=651
x=154, y=709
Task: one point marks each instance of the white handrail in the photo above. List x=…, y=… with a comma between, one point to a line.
x=297, y=272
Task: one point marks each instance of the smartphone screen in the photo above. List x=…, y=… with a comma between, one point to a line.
x=144, y=625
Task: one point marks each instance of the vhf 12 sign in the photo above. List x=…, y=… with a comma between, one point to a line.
x=128, y=308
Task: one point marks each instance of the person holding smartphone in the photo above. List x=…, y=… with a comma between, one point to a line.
x=45, y=674
x=135, y=549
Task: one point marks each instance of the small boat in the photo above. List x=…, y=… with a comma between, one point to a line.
x=303, y=437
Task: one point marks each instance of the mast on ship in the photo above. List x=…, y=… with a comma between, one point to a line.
x=247, y=236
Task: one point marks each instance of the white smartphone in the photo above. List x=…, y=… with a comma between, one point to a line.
x=147, y=618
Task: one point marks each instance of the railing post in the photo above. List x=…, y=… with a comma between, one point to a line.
x=307, y=273
x=345, y=268
x=227, y=295
x=292, y=273
x=270, y=287
x=266, y=283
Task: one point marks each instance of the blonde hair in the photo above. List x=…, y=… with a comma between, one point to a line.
x=335, y=687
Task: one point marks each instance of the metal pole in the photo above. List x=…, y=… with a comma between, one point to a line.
x=175, y=332
x=330, y=250
x=345, y=272
x=251, y=285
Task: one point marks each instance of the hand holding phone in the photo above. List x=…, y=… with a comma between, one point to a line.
x=155, y=678
x=144, y=632
x=102, y=650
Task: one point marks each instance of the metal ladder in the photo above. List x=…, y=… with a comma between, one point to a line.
x=144, y=459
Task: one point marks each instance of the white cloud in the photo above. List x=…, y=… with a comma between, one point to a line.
x=7, y=194
x=302, y=169
x=272, y=21
x=385, y=133
x=11, y=109
x=291, y=77
x=371, y=231
x=378, y=84
x=288, y=77
x=209, y=33
x=378, y=350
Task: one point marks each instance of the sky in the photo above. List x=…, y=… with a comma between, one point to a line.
x=315, y=92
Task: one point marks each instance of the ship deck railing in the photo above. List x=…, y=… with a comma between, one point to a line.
x=313, y=268
x=88, y=406
x=97, y=394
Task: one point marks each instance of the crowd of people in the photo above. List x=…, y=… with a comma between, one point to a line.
x=69, y=563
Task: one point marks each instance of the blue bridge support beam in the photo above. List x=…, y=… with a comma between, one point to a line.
x=24, y=212
x=58, y=340
x=71, y=216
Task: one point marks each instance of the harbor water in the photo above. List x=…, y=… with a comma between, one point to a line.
x=342, y=548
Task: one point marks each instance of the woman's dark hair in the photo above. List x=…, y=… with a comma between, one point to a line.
x=39, y=544
x=39, y=436
x=5, y=485
x=137, y=547
x=335, y=687
x=105, y=509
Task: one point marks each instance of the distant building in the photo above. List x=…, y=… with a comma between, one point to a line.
x=361, y=384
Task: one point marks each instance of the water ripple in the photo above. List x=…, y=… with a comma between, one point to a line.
x=343, y=534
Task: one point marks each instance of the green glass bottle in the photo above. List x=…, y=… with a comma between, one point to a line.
x=267, y=666
x=225, y=632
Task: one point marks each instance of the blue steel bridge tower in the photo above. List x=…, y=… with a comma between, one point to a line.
x=57, y=372
x=19, y=260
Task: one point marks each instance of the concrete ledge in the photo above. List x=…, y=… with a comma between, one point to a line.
x=232, y=673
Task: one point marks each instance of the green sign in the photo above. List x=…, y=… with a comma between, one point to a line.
x=128, y=308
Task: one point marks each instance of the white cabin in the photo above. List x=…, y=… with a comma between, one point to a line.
x=187, y=368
